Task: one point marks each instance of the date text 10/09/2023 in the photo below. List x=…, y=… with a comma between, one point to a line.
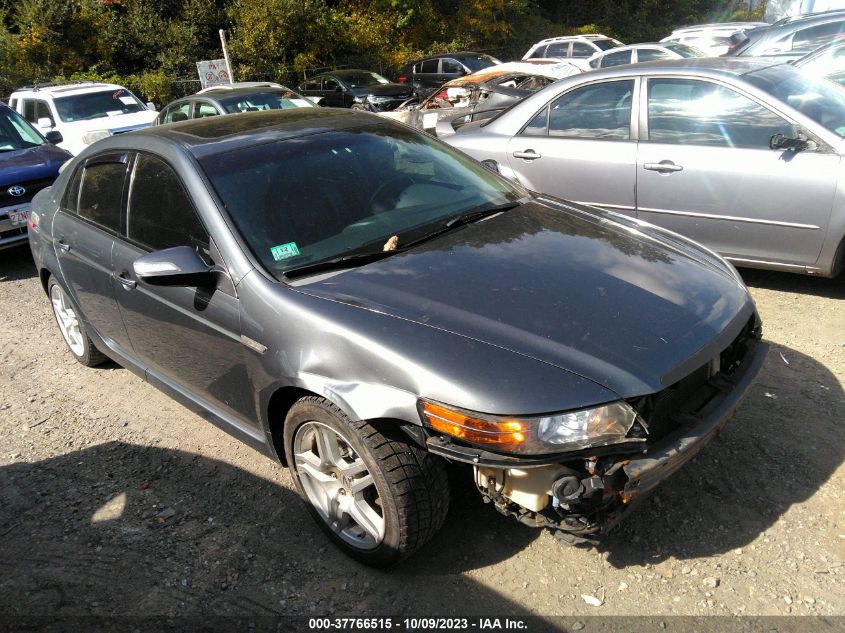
x=416, y=624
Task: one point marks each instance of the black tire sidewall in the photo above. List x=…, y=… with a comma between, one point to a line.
x=388, y=551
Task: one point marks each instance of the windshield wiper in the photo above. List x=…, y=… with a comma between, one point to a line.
x=462, y=220
x=359, y=259
x=339, y=263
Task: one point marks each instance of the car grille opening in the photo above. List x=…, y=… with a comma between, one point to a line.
x=32, y=187
x=683, y=403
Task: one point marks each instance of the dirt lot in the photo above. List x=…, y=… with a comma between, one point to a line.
x=116, y=500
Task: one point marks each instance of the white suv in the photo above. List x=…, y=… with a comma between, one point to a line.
x=572, y=48
x=713, y=40
x=83, y=112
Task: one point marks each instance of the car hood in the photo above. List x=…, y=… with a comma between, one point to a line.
x=572, y=288
x=385, y=90
x=32, y=163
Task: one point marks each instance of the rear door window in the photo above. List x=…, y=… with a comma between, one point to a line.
x=582, y=49
x=651, y=54
x=178, y=112
x=101, y=192
x=560, y=49
x=811, y=38
x=598, y=111
x=615, y=59
x=429, y=66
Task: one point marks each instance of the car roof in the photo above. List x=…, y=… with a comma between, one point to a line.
x=709, y=66
x=459, y=56
x=212, y=135
x=61, y=89
x=235, y=92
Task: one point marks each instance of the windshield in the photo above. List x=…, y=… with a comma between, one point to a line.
x=478, y=62
x=363, y=79
x=685, y=50
x=606, y=45
x=16, y=133
x=275, y=100
x=817, y=99
x=94, y=105
x=310, y=199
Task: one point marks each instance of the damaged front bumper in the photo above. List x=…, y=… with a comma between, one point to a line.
x=587, y=492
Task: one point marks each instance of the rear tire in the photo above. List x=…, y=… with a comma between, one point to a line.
x=71, y=327
x=376, y=495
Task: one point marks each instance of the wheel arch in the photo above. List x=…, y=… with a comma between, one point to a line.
x=283, y=398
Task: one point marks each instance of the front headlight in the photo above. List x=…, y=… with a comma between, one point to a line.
x=375, y=99
x=95, y=135
x=596, y=426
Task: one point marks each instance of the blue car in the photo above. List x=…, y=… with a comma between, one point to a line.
x=29, y=162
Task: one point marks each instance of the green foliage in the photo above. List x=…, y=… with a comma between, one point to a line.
x=146, y=44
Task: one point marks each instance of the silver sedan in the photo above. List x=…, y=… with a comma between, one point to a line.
x=741, y=155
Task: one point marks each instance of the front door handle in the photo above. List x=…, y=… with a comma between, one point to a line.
x=63, y=246
x=125, y=281
x=528, y=154
x=664, y=165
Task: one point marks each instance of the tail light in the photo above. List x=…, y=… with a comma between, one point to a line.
x=403, y=80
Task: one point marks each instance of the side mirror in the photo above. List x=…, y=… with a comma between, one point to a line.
x=338, y=89
x=45, y=123
x=798, y=143
x=178, y=266
x=151, y=106
x=54, y=137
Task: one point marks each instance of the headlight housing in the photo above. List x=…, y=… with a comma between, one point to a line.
x=95, y=135
x=375, y=99
x=530, y=435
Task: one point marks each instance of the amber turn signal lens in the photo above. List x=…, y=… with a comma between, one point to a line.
x=502, y=433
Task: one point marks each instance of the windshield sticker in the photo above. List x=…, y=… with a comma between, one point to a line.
x=284, y=251
x=127, y=100
x=840, y=130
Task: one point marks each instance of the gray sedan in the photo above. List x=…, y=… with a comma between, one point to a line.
x=741, y=155
x=361, y=302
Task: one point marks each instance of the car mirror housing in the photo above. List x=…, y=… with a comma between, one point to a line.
x=151, y=106
x=54, y=137
x=796, y=143
x=44, y=123
x=177, y=266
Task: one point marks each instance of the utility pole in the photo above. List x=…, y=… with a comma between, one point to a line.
x=226, y=56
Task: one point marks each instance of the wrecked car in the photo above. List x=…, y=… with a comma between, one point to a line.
x=364, y=303
x=480, y=95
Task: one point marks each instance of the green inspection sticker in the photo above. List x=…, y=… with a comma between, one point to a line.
x=284, y=251
x=840, y=130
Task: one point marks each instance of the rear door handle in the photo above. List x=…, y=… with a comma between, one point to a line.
x=63, y=246
x=123, y=278
x=664, y=165
x=528, y=154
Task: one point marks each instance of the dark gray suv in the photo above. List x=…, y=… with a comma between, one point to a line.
x=365, y=304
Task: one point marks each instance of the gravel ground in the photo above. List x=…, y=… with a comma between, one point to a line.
x=116, y=500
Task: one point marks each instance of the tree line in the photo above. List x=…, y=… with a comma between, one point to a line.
x=149, y=45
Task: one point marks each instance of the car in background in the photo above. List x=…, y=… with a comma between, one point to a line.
x=714, y=39
x=789, y=38
x=573, y=48
x=826, y=62
x=29, y=162
x=481, y=94
x=83, y=112
x=362, y=303
x=356, y=89
x=429, y=73
x=742, y=155
x=231, y=99
x=639, y=53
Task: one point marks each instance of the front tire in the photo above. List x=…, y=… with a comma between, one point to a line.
x=71, y=327
x=377, y=496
